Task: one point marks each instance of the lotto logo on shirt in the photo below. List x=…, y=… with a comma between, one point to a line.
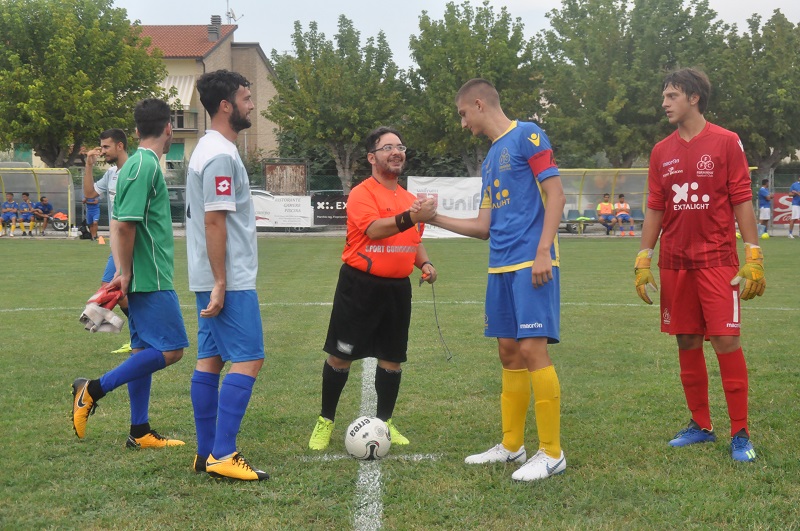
x=705, y=166
x=223, y=185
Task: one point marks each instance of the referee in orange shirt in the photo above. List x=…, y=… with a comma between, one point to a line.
x=372, y=304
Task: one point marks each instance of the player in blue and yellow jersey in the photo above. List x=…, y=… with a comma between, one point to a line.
x=144, y=247
x=523, y=201
x=42, y=211
x=10, y=208
x=25, y=214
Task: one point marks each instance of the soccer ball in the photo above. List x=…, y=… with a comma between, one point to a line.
x=765, y=236
x=368, y=438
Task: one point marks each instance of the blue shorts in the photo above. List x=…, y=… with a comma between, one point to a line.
x=111, y=270
x=155, y=321
x=9, y=216
x=92, y=214
x=516, y=309
x=625, y=218
x=235, y=334
x=606, y=217
x=26, y=217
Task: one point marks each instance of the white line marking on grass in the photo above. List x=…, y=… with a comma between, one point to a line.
x=369, y=486
x=339, y=457
x=416, y=302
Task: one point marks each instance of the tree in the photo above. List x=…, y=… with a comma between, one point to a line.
x=757, y=93
x=68, y=70
x=602, y=66
x=468, y=42
x=332, y=96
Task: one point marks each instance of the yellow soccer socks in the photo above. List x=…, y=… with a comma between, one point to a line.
x=514, y=401
x=547, y=406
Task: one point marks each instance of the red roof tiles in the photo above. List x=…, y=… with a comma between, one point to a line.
x=187, y=41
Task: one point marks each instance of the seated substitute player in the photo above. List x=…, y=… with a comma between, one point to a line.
x=223, y=266
x=698, y=185
x=372, y=304
x=623, y=212
x=605, y=214
x=10, y=213
x=143, y=247
x=114, y=149
x=42, y=211
x=25, y=214
x=523, y=200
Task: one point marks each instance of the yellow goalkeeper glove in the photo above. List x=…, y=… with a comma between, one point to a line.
x=644, y=278
x=751, y=275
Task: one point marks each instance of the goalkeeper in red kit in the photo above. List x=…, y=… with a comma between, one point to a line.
x=698, y=186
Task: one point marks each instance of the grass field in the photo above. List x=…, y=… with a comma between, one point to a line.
x=621, y=403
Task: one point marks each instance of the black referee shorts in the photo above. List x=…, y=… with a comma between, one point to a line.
x=370, y=317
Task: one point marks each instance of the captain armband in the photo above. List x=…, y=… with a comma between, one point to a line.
x=403, y=221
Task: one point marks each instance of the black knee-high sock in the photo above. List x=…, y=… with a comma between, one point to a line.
x=333, y=381
x=387, y=386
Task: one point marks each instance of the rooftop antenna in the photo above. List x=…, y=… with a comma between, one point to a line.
x=230, y=14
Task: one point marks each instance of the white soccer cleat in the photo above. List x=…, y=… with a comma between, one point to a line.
x=497, y=454
x=540, y=466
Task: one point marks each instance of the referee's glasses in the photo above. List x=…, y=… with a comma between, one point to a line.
x=389, y=147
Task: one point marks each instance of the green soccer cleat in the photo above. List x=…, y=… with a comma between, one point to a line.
x=397, y=437
x=152, y=440
x=83, y=405
x=124, y=349
x=321, y=436
x=235, y=467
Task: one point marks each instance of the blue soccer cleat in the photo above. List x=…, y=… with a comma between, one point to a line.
x=693, y=434
x=742, y=450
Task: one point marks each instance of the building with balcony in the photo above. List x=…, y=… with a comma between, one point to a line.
x=191, y=50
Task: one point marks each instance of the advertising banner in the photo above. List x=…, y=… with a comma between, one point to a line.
x=282, y=210
x=458, y=197
x=329, y=209
x=781, y=209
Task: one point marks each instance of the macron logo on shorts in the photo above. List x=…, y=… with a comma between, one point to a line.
x=223, y=185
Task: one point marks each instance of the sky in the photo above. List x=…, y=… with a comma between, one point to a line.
x=271, y=23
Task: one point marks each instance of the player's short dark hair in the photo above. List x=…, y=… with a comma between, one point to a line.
x=43, y=198
x=374, y=136
x=691, y=81
x=764, y=181
x=606, y=194
x=217, y=86
x=116, y=136
x=621, y=196
x=26, y=194
x=151, y=116
x=10, y=193
x=484, y=88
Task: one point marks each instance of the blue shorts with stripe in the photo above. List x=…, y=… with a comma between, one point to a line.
x=110, y=271
x=235, y=334
x=516, y=309
x=155, y=321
